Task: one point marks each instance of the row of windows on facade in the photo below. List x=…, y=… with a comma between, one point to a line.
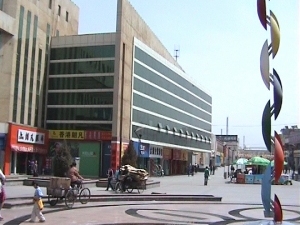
x=59, y=10
x=169, y=112
x=166, y=71
x=82, y=114
x=180, y=89
x=155, y=151
x=29, y=61
x=187, y=133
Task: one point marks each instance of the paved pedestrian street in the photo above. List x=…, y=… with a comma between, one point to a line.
x=240, y=203
x=151, y=213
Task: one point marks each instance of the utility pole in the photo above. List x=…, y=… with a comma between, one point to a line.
x=227, y=147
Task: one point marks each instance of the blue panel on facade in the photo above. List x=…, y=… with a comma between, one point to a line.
x=2, y=141
x=106, y=147
x=141, y=149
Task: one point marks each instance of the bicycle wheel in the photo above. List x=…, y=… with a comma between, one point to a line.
x=70, y=199
x=52, y=200
x=142, y=187
x=129, y=189
x=85, y=195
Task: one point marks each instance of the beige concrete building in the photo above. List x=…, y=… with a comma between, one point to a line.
x=128, y=84
x=26, y=28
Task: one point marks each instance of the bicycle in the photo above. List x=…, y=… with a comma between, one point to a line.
x=70, y=195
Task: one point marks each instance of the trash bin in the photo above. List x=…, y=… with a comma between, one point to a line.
x=225, y=175
x=296, y=177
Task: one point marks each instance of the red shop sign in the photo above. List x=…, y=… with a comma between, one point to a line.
x=92, y=135
x=97, y=135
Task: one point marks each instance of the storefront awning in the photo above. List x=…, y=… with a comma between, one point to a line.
x=29, y=148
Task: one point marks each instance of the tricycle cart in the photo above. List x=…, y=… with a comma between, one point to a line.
x=138, y=183
x=60, y=189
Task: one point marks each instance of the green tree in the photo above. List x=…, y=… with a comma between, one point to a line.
x=130, y=156
x=61, y=160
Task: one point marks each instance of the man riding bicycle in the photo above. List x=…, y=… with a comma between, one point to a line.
x=74, y=175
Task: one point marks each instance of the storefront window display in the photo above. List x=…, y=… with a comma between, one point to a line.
x=167, y=157
x=155, y=155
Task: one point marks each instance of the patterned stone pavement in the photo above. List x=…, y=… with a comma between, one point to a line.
x=151, y=213
x=240, y=203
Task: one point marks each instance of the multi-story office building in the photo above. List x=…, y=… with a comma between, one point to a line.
x=26, y=28
x=80, y=98
x=124, y=86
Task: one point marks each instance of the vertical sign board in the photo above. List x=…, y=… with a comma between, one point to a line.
x=141, y=149
x=89, y=154
x=106, y=157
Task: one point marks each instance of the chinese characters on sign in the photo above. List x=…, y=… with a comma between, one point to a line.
x=227, y=138
x=142, y=149
x=33, y=149
x=66, y=134
x=31, y=137
x=94, y=135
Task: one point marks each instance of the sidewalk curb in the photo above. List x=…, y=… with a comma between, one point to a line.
x=122, y=197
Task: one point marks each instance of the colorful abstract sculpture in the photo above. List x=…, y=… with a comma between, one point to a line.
x=271, y=80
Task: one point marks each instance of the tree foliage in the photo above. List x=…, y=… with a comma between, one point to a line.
x=130, y=156
x=61, y=160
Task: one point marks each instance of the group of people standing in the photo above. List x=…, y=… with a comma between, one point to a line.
x=207, y=171
x=192, y=169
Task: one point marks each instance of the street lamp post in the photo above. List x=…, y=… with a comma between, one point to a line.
x=228, y=162
x=224, y=159
x=139, y=136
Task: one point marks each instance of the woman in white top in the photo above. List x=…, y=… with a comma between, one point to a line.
x=2, y=192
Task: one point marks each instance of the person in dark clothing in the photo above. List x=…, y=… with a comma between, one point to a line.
x=206, y=175
x=232, y=168
x=193, y=170
x=110, y=174
x=126, y=178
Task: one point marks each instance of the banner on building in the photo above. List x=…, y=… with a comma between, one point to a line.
x=66, y=134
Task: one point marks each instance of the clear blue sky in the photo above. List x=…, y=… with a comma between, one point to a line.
x=220, y=44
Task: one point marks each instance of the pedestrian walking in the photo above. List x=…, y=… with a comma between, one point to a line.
x=38, y=204
x=206, y=175
x=110, y=175
x=214, y=168
x=2, y=192
x=35, y=169
x=31, y=163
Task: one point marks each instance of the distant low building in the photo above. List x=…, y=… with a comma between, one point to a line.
x=291, y=142
x=252, y=152
x=230, y=143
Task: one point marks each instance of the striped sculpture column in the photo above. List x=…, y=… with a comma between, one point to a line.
x=271, y=111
